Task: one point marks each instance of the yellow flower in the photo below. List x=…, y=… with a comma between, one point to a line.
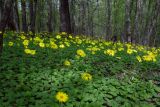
x=61, y=46
x=10, y=43
x=58, y=37
x=81, y=53
x=67, y=63
x=120, y=49
x=110, y=52
x=41, y=44
x=29, y=51
x=63, y=33
x=0, y=32
x=129, y=51
x=70, y=36
x=62, y=97
x=86, y=76
x=26, y=42
x=23, y=37
x=139, y=59
x=53, y=45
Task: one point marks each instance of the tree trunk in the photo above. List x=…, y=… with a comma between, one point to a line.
x=1, y=8
x=109, y=20
x=65, y=17
x=8, y=8
x=137, y=21
x=33, y=9
x=24, y=19
x=72, y=13
x=128, y=20
x=16, y=16
x=50, y=16
x=153, y=23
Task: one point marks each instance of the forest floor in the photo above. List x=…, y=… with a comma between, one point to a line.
x=56, y=70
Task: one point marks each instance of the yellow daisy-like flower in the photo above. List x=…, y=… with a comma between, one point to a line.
x=62, y=97
x=10, y=43
x=67, y=63
x=86, y=76
x=110, y=52
x=29, y=51
x=63, y=33
x=70, y=36
x=26, y=42
x=81, y=53
x=53, y=45
x=23, y=37
x=129, y=51
x=58, y=37
x=61, y=46
x=41, y=44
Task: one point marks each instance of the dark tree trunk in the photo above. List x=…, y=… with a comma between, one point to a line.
x=1, y=8
x=33, y=9
x=65, y=17
x=72, y=13
x=50, y=16
x=128, y=21
x=16, y=16
x=6, y=17
x=109, y=20
x=24, y=20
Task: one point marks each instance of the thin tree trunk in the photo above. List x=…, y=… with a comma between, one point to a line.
x=50, y=16
x=128, y=21
x=72, y=13
x=137, y=22
x=16, y=16
x=8, y=6
x=109, y=20
x=33, y=9
x=24, y=19
x=1, y=8
x=65, y=16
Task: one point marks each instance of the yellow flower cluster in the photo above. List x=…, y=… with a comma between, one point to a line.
x=150, y=57
x=29, y=51
x=67, y=63
x=26, y=42
x=10, y=43
x=86, y=76
x=41, y=44
x=93, y=49
x=81, y=53
x=110, y=52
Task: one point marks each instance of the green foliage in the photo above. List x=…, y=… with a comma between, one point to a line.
x=34, y=80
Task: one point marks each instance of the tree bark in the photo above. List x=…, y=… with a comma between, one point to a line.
x=128, y=20
x=33, y=9
x=137, y=21
x=7, y=13
x=24, y=19
x=50, y=16
x=65, y=17
x=1, y=8
x=16, y=16
x=109, y=20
